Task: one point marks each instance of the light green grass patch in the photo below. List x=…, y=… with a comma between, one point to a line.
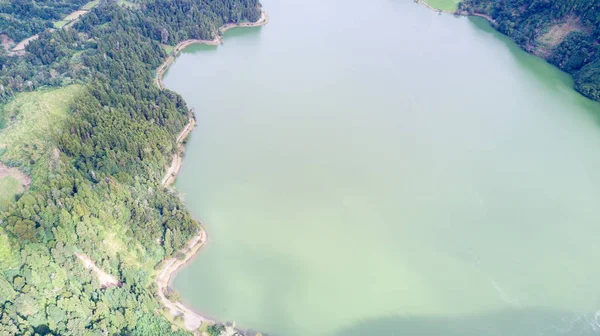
x=31, y=119
x=444, y=5
x=168, y=49
x=90, y=5
x=60, y=24
x=9, y=258
x=128, y=4
x=9, y=188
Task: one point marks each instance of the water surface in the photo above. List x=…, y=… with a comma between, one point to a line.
x=374, y=168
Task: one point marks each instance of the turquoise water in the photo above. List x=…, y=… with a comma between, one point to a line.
x=379, y=169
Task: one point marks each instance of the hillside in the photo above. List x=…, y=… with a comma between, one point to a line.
x=20, y=19
x=564, y=32
x=82, y=118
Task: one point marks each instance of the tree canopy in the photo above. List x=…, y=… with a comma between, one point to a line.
x=97, y=191
x=565, y=32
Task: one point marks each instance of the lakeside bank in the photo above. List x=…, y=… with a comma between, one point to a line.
x=168, y=268
x=456, y=12
x=160, y=71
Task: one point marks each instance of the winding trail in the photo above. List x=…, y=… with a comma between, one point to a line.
x=168, y=267
x=173, y=170
x=19, y=49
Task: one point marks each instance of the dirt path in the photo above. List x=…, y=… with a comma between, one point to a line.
x=21, y=45
x=173, y=170
x=169, y=267
x=186, y=130
x=160, y=71
x=106, y=280
x=19, y=49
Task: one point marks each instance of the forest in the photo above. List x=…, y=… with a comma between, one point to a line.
x=95, y=186
x=564, y=32
x=23, y=18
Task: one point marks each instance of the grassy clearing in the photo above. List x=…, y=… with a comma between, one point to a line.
x=8, y=256
x=88, y=6
x=60, y=24
x=75, y=15
x=445, y=5
x=9, y=188
x=558, y=32
x=30, y=121
x=168, y=49
x=126, y=3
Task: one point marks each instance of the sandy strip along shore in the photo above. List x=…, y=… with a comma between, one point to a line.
x=169, y=267
x=173, y=170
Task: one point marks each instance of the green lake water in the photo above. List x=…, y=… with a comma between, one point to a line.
x=374, y=168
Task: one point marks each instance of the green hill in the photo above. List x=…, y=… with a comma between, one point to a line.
x=82, y=117
x=565, y=32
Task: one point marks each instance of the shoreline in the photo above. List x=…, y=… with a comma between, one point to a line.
x=457, y=12
x=168, y=268
x=160, y=71
x=173, y=170
x=426, y=4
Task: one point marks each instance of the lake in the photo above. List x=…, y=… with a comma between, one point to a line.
x=375, y=168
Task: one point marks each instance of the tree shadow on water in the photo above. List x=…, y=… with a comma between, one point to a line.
x=252, y=33
x=248, y=35
x=517, y=322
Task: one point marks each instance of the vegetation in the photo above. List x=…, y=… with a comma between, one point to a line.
x=90, y=5
x=60, y=24
x=31, y=121
x=82, y=116
x=9, y=188
x=565, y=32
x=444, y=5
x=24, y=18
x=168, y=49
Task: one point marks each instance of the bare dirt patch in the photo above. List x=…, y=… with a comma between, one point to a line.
x=556, y=34
x=106, y=280
x=21, y=45
x=15, y=173
x=192, y=320
x=6, y=41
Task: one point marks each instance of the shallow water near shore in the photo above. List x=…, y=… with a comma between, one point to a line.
x=379, y=169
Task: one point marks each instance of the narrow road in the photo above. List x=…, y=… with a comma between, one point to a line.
x=192, y=320
x=173, y=170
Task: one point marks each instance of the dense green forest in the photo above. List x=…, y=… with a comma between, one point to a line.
x=565, y=32
x=20, y=19
x=95, y=186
